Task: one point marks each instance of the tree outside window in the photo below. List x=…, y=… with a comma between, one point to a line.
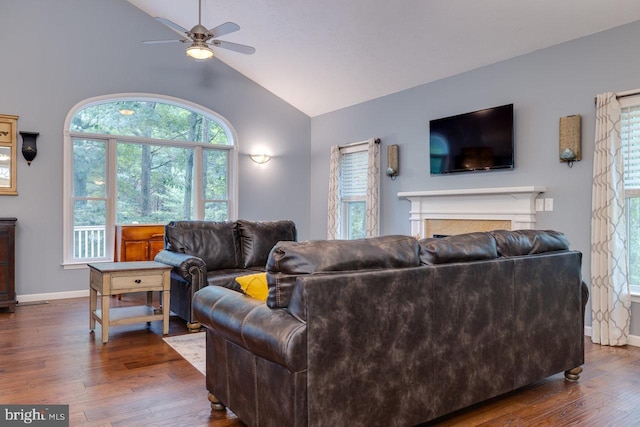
x=144, y=162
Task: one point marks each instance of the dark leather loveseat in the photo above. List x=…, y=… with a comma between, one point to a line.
x=214, y=253
x=390, y=331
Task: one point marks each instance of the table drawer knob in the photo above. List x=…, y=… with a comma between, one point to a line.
x=138, y=281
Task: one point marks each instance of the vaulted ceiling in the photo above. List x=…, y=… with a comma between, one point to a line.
x=324, y=55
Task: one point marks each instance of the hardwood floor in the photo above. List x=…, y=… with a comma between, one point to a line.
x=48, y=356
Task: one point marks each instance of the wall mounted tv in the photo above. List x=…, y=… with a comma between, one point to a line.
x=478, y=141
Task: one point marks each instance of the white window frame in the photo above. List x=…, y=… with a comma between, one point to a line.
x=68, y=261
x=626, y=102
x=344, y=202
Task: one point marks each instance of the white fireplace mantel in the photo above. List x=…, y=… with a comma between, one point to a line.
x=516, y=204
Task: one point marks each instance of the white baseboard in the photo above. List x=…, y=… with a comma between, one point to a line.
x=634, y=340
x=52, y=295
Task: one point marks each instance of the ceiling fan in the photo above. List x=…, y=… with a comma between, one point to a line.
x=199, y=38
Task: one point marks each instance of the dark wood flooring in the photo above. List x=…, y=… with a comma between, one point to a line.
x=48, y=356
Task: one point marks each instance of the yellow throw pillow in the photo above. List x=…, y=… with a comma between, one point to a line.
x=254, y=285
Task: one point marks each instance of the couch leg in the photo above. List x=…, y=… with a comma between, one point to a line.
x=194, y=327
x=215, y=403
x=573, y=374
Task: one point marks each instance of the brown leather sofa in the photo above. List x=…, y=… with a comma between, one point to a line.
x=390, y=331
x=214, y=253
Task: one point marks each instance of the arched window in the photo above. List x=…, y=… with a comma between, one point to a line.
x=142, y=159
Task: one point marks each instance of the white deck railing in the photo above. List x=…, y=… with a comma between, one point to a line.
x=89, y=241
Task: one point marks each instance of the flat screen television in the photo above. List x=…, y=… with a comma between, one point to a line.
x=477, y=141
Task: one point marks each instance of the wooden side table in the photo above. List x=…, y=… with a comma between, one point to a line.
x=113, y=278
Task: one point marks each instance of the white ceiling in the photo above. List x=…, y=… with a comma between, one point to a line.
x=323, y=55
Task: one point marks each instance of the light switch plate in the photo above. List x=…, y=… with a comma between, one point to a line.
x=539, y=205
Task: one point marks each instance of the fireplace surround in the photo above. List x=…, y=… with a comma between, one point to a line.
x=467, y=209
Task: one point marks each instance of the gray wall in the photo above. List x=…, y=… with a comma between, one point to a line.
x=58, y=53
x=543, y=86
x=55, y=54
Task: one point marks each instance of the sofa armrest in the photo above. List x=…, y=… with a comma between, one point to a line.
x=189, y=267
x=273, y=334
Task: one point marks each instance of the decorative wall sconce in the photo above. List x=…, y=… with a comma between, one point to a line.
x=570, y=139
x=29, y=149
x=260, y=158
x=392, y=161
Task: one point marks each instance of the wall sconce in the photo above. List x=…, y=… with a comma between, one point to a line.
x=29, y=149
x=260, y=158
x=392, y=161
x=570, y=139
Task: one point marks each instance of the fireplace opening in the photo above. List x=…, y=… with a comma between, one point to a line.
x=448, y=227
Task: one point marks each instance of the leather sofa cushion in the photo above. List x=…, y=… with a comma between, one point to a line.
x=226, y=278
x=527, y=242
x=258, y=238
x=291, y=259
x=216, y=243
x=458, y=248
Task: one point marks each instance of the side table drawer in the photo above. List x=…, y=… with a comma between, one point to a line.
x=133, y=282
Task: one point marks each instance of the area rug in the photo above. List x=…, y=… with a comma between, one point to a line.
x=191, y=347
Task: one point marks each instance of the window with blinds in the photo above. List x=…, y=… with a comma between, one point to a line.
x=630, y=138
x=353, y=175
x=630, y=135
x=353, y=192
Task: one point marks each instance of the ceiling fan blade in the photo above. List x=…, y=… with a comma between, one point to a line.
x=247, y=50
x=164, y=41
x=175, y=27
x=222, y=29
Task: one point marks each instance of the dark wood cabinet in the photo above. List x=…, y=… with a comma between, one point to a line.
x=7, y=263
x=138, y=242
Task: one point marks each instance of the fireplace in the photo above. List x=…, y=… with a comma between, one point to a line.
x=445, y=212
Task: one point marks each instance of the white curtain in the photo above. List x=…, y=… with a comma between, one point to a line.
x=333, y=226
x=373, y=189
x=610, y=296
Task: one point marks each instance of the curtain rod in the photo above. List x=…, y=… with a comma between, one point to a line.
x=622, y=94
x=376, y=140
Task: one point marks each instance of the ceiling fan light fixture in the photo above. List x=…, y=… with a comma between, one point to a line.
x=200, y=51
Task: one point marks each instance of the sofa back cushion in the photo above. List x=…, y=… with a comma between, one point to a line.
x=257, y=238
x=288, y=260
x=528, y=242
x=458, y=248
x=216, y=243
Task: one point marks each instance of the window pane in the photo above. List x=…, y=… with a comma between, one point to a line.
x=214, y=174
x=89, y=219
x=154, y=183
x=356, y=220
x=216, y=211
x=633, y=210
x=89, y=168
x=149, y=119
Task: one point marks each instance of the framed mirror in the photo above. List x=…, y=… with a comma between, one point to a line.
x=8, y=148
